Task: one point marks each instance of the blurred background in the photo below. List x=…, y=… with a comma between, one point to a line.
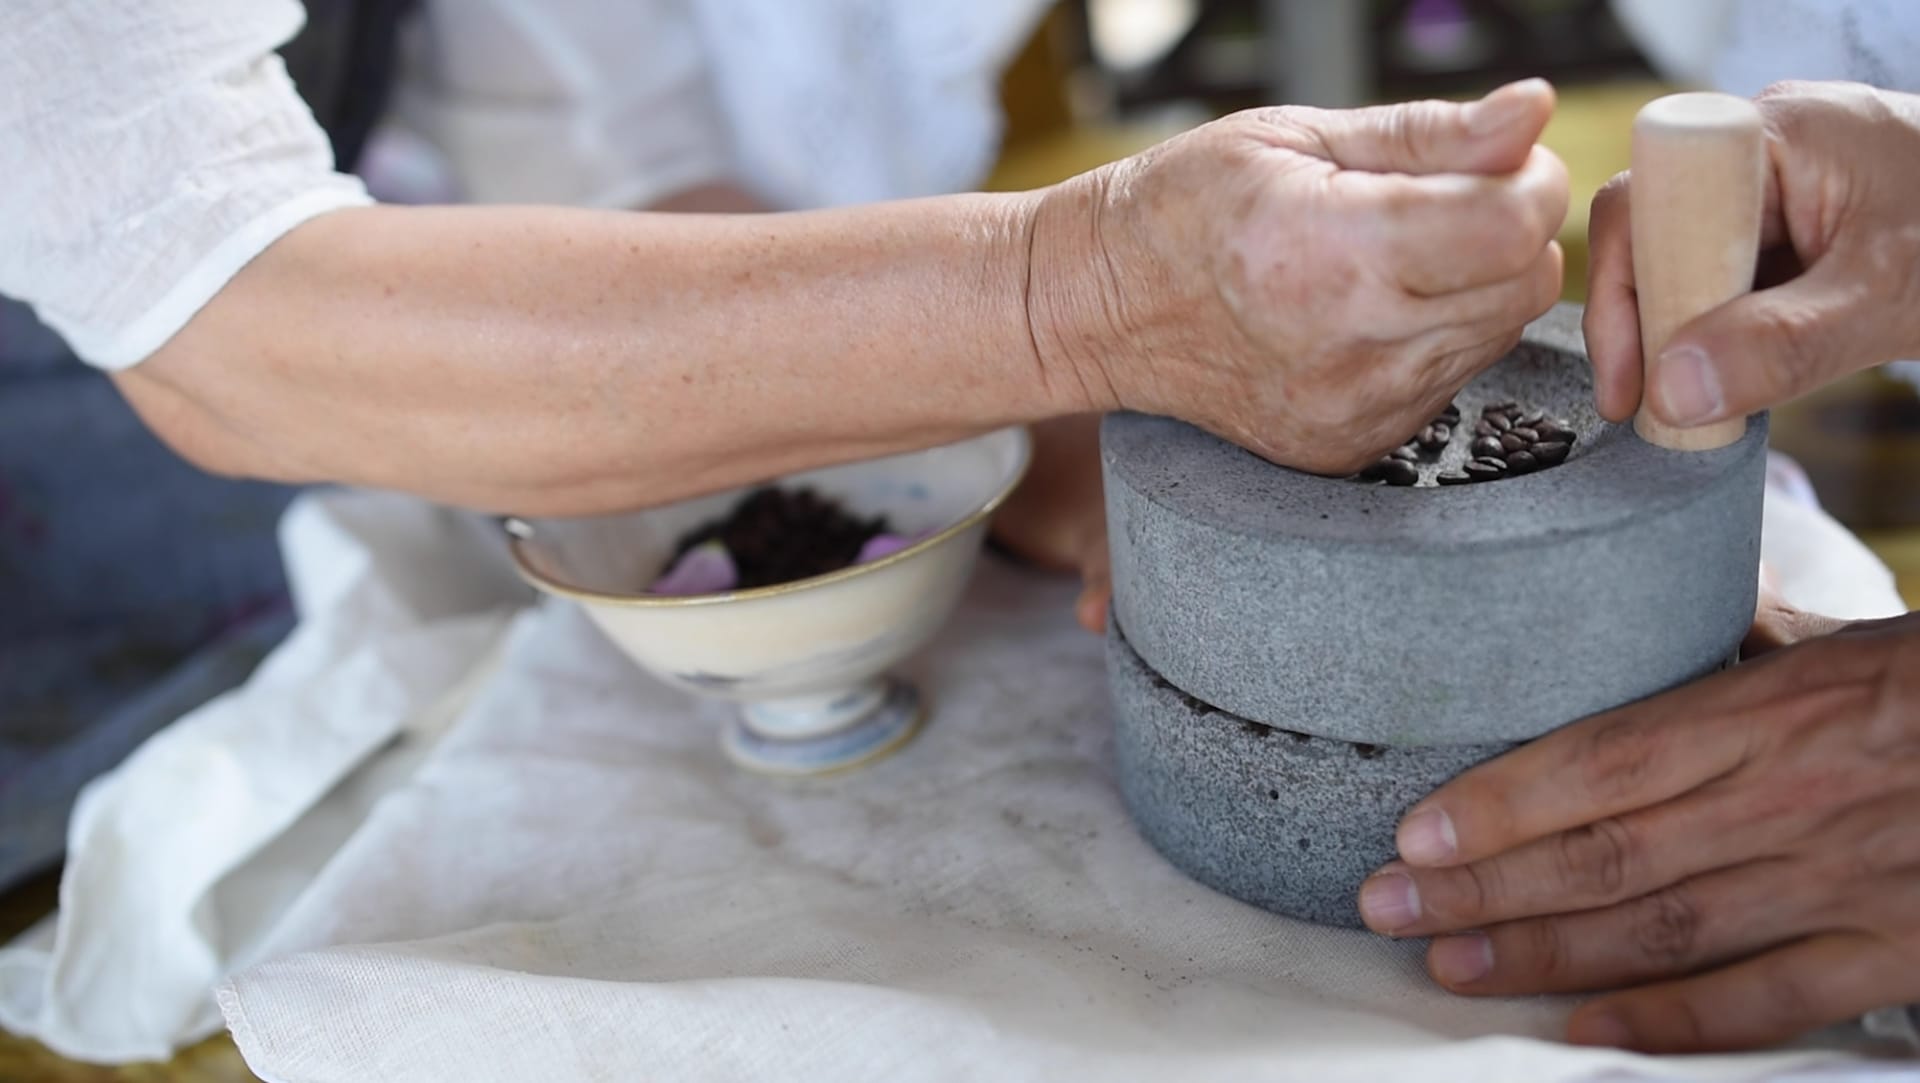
x=1100, y=79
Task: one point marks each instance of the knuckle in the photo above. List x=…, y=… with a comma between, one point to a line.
x=1683, y=1024
x=1548, y=280
x=1784, y=104
x=1666, y=929
x=1409, y=128
x=1403, y=205
x=1778, y=93
x=1513, y=252
x=1594, y=861
x=1787, y=1005
x=1783, y=109
x=1782, y=88
x=1619, y=758
x=1299, y=124
x=1884, y=849
x=1888, y=274
x=1534, y=223
x=1544, y=947
x=1792, y=328
x=1479, y=890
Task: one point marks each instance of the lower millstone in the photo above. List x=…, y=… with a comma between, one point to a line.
x=1288, y=822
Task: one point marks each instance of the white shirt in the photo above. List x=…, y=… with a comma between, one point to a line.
x=149, y=151
x=151, y=148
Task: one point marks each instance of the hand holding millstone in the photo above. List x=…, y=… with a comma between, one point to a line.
x=1699, y=190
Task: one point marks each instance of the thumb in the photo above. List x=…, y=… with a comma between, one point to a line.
x=1491, y=136
x=1763, y=349
x=1777, y=623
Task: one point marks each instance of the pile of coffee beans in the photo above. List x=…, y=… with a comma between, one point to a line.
x=777, y=535
x=1399, y=467
x=1509, y=439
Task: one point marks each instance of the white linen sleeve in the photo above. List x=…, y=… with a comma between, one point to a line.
x=150, y=150
x=565, y=101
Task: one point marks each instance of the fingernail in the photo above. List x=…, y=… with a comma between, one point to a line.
x=1460, y=960
x=1502, y=107
x=1427, y=838
x=1389, y=901
x=1600, y=1029
x=1688, y=387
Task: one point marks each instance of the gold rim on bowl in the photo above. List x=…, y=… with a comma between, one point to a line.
x=518, y=531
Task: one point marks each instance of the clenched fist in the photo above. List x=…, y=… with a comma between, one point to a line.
x=1309, y=284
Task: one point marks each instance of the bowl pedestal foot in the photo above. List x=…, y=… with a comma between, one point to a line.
x=813, y=735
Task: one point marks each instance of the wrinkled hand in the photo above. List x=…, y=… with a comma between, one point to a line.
x=1841, y=227
x=1057, y=518
x=1744, y=850
x=1312, y=285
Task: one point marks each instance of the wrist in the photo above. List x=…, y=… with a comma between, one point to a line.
x=1071, y=300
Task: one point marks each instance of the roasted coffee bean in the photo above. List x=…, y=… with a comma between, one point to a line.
x=1522, y=462
x=1454, y=477
x=1488, y=460
x=1374, y=471
x=1481, y=470
x=1488, y=445
x=1404, y=454
x=1500, y=422
x=1532, y=418
x=1430, y=438
x=1483, y=427
x=1451, y=415
x=1551, y=453
x=1525, y=433
x=777, y=535
x=1553, y=431
x=1511, y=443
x=1396, y=472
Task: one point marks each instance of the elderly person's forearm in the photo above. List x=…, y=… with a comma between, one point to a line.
x=1307, y=284
x=556, y=361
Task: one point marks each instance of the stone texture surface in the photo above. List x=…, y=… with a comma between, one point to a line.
x=1282, y=820
x=1432, y=616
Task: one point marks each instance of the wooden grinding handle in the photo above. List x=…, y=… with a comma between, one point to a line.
x=1698, y=191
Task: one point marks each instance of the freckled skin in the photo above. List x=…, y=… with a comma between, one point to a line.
x=1292, y=279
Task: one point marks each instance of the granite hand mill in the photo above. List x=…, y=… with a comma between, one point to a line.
x=1295, y=660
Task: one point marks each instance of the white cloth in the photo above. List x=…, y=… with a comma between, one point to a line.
x=181, y=860
x=149, y=150
x=574, y=884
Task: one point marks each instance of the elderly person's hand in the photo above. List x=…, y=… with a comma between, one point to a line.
x=1741, y=855
x=1311, y=285
x=1840, y=227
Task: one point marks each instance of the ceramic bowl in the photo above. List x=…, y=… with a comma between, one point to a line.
x=807, y=662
